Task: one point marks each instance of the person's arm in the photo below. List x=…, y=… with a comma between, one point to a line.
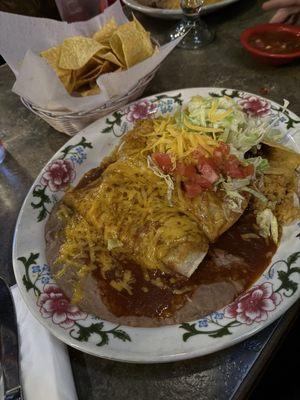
x=287, y=11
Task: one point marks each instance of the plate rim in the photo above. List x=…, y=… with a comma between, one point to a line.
x=165, y=13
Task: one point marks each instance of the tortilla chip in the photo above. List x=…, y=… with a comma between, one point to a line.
x=108, y=67
x=88, y=78
x=79, y=60
x=52, y=56
x=111, y=57
x=145, y=35
x=117, y=48
x=91, y=76
x=77, y=51
x=93, y=90
x=104, y=34
x=130, y=44
x=71, y=87
x=91, y=65
x=103, y=50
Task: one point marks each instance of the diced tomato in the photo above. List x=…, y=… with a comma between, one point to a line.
x=248, y=170
x=196, y=179
x=200, y=156
x=235, y=169
x=180, y=169
x=216, y=161
x=196, y=185
x=224, y=148
x=219, y=156
x=200, y=160
x=208, y=172
x=187, y=171
x=163, y=161
x=202, y=181
x=192, y=189
x=198, y=153
x=190, y=171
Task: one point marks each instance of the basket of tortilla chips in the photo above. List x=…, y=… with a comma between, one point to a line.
x=79, y=61
x=71, y=123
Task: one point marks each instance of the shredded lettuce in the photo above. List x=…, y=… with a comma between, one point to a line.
x=234, y=200
x=236, y=128
x=255, y=193
x=268, y=224
x=239, y=130
x=260, y=164
x=235, y=184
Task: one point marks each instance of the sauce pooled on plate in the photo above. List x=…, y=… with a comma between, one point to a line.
x=239, y=256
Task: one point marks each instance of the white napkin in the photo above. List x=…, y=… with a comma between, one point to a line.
x=23, y=38
x=45, y=366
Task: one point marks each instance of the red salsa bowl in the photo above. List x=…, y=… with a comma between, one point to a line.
x=273, y=44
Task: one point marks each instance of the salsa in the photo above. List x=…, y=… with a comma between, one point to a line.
x=280, y=42
x=240, y=256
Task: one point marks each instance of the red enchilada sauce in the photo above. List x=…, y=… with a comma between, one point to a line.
x=280, y=42
x=239, y=256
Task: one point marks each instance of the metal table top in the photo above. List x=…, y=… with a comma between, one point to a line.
x=30, y=142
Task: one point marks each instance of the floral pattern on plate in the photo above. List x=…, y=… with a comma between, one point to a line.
x=270, y=296
x=254, y=106
x=57, y=176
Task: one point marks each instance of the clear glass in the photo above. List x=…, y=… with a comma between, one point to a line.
x=196, y=31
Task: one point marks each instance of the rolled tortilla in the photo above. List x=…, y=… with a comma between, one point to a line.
x=205, y=299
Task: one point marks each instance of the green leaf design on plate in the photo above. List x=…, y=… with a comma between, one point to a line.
x=68, y=149
x=116, y=120
x=287, y=284
x=222, y=330
x=290, y=121
x=27, y=281
x=107, y=129
x=293, y=258
x=176, y=98
x=83, y=333
x=40, y=193
x=226, y=92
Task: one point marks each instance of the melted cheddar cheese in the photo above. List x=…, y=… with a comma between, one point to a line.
x=127, y=212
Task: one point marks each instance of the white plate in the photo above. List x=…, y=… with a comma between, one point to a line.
x=173, y=14
x=273, y=293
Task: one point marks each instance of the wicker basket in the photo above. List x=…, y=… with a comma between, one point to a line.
x=73, y=122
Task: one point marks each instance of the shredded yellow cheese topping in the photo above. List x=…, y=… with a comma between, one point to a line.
x=179, y=142
x=134, y=211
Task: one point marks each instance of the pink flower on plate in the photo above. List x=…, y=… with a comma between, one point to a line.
x=58, y=175
x=54, y=304
x=140, y=110
x=254, y=305
x=254, y=106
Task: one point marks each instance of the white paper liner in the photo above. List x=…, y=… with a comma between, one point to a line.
x=45, y=366
x=23, y=38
